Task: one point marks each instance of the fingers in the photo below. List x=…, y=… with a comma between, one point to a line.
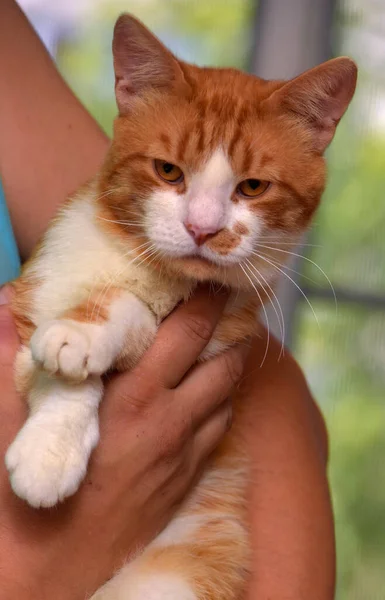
x=182, y=337
x=5, y=295
x=11, y=409
x=211, y=432
x=210, y=383
x=9, y=340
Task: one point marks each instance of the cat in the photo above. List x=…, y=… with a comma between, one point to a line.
x=211, y=173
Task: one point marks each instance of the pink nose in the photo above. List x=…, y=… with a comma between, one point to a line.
x=200, y=234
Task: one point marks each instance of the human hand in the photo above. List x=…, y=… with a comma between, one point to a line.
x=159, y=423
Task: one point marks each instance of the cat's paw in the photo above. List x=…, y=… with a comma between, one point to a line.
x=128, y=585
x=71, y=349
x=47, y=461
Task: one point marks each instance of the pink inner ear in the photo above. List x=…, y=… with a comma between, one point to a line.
x=140, y=62
x=326, y=124
x=320, y=97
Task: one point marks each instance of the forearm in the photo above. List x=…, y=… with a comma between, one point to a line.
x=49, y=144
x=292, y=522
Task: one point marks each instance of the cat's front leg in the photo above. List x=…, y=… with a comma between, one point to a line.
x=60, y=375
x=90, y=337
x=48, y=458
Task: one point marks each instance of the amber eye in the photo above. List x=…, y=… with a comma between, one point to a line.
x=251, y=188
x=169, y=172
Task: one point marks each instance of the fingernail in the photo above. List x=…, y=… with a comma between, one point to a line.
x=3, y=296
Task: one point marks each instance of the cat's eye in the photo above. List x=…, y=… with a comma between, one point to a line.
x=168, y=172
x=251, y=188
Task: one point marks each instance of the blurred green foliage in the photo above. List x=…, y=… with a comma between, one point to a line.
x=350, y=225
x=344, y=358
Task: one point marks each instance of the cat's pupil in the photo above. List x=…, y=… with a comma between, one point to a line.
x=168, y=167
x=254, y=183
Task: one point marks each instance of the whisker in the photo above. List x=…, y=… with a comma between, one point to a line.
x=154, y=256
x=103, y=292
x=109, y=192
x=161, y=256
x=284, y=266
x=293, y=282
x=126, y=223
x=298, y=244
x=120, y=272
x=239, y=287
x=309, y=261
x=264, y=310
x=151, y=250
x=280, y=318
x=124, y=209
x=218, y=290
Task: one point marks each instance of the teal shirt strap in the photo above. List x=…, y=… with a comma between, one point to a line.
x=9, y=256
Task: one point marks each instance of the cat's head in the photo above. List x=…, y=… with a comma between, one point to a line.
x=212, y=171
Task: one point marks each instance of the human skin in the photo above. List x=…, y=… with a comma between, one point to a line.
x=290, y=511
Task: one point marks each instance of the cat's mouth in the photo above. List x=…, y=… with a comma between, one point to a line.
x=199, y=259
x=195, y=266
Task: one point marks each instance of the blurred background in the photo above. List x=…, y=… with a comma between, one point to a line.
x=341, y=346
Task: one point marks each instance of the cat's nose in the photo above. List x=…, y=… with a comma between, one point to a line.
x=200, y=234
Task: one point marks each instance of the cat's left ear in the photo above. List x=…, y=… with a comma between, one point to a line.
x=141, y=62
x=319, y=97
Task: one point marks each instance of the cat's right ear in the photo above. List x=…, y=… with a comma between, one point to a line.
x=319, y=98
x=141, y=62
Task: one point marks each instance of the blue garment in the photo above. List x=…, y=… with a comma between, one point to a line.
x=9, y=256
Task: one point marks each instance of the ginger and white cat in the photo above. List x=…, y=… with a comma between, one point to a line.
x=210, y=174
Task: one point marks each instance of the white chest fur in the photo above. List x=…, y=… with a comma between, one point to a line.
x=79, y=257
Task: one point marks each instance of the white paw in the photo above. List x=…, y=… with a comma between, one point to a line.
x=48, y=460
x=128, y=585
x=71, y=349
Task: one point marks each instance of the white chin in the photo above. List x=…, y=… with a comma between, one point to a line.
x=197, y=252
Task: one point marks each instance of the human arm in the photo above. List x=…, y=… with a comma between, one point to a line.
x=290, y=509
x=49, y=143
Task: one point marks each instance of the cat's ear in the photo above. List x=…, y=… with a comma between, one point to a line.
x=319, y=97
x=141, y=62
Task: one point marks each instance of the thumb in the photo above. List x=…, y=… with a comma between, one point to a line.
x=12, y=410
x=9, y=340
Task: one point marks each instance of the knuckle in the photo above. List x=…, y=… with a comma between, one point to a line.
x=185, y=424
x=169, y=443
x=127, y=402
x=181, y=468
x=197, y=328
x=171, y=456
x=134, y=390
x=174, y=443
